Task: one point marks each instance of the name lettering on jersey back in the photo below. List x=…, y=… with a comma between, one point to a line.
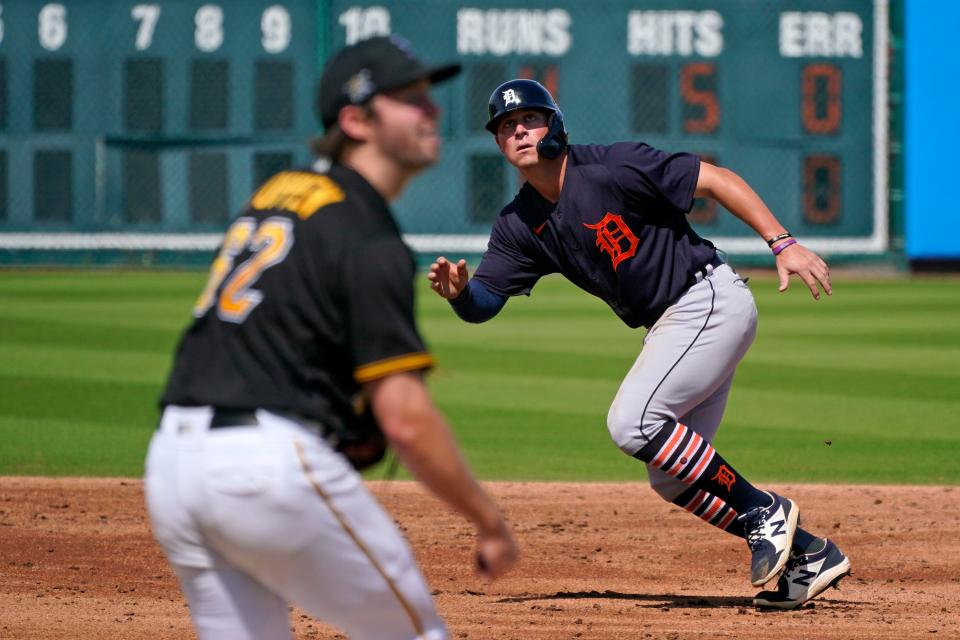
x=301, y=193
x=615, y=238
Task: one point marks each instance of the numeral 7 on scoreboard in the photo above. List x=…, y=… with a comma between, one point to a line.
x=148, y=15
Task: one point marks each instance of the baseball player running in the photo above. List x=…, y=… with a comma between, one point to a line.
x=611, y=219
x=303, y=346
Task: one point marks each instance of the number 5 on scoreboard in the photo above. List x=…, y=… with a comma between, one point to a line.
x=268, y=243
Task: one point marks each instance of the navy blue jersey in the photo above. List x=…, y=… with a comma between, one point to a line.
x=619, y=231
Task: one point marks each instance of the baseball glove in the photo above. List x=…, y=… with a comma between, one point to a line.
x=363, y=444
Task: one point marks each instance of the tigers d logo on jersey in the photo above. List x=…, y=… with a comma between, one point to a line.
x=615, y=237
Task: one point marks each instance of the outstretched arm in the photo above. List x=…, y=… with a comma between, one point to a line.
x=423, y=442
x=471, y=301
x=730, y=190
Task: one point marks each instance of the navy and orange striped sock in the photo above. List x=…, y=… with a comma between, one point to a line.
x=682, y=453
x=711, y=510
x=715, y=511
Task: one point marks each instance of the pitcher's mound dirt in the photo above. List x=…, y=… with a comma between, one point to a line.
x=600, y=561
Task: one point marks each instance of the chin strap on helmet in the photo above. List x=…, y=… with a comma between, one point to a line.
x=553, y=144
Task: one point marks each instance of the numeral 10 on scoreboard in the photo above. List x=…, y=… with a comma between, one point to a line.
x=53, y=27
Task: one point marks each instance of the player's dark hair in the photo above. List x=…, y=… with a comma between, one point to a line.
x=330, y=144
x=334, y=140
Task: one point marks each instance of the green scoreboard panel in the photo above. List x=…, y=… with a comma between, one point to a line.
x=148, y=116
x=791, y=94
x=147, y=124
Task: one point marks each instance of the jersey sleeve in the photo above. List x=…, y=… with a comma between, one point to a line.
x=378, y=284
x=646, y=173
x=476, y=303
x=505, y=268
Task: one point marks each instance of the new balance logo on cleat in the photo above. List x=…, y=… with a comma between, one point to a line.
x=777, y=528
x=807, y=575
x=804, y=576
x=769, y=531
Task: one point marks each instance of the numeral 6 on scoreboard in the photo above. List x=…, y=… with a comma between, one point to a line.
x=52, y=26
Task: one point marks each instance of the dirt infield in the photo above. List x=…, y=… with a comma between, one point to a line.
x=601, y=561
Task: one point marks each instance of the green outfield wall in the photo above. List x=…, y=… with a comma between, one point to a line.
x=132, y=131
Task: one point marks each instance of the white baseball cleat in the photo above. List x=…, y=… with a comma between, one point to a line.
x=769, y=532
x=807, y=575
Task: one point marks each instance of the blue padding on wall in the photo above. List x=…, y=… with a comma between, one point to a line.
x=932, y=129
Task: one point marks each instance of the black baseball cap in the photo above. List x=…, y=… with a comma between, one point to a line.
x=358, y=72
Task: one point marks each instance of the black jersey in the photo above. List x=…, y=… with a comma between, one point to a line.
x=619, y=231
x=310, y=296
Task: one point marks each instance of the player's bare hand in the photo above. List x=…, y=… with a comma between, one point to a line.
x=496, y=553
x=447, y=279
x=808, y=266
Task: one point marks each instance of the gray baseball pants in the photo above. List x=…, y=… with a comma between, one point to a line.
x=685, y=370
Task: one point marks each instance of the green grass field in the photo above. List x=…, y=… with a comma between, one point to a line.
x=875, y=370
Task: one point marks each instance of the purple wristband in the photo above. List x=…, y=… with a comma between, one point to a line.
x=780, y=247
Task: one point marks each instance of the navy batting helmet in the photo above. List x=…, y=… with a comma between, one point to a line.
x=529, y=94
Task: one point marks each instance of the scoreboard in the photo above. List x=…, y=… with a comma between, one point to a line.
x=791, y=94
x=155, y=120
x=148, y=116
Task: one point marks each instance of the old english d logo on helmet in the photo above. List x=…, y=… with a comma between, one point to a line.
x=510, y=97
x=529, y=94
